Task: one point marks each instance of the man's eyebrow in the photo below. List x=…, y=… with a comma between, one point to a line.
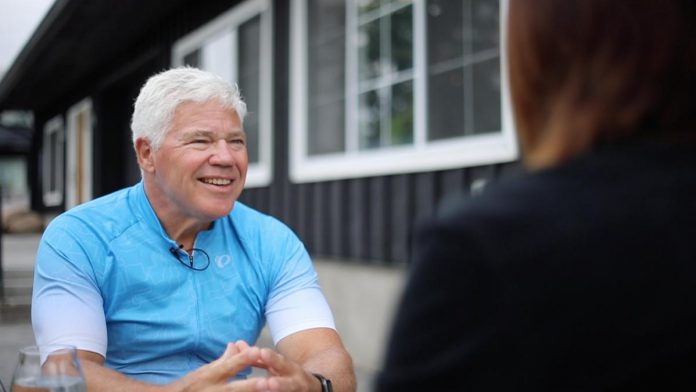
x=197, y=133
x=208, y=133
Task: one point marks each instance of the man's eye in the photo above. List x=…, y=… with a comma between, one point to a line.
x=237, y=141
x=199, y=141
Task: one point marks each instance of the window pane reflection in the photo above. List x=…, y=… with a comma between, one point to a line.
x=193, y=59
x=326, y=76
x=365, y=6
x=402, y=113
x=486, y=86
x=445, y=104
x=370, y=120
x=463, y=68
x=402, y=39
x=326, y=125
x=369, y=50
x=249, y=81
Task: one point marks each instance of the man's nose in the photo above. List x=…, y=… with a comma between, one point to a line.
x=222, y=153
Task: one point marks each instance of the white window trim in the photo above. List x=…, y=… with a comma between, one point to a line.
x=259, y=174
x=420, y=157
x=52, y=198
x=84, y=106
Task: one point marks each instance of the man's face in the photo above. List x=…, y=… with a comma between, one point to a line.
x=200, y=168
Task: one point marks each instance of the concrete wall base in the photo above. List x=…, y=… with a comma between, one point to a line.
x=363, y=299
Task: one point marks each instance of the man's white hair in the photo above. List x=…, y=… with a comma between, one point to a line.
x=162, y=93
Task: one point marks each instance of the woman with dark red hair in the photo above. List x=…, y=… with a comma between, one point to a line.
x=579, y=274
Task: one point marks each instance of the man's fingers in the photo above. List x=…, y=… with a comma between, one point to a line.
x=226, y=366
x=241, y=345
x=285, y=375
x=281, y=383
x=254, y=356
x=275, y=363
x=231, y=349
x=250, y=385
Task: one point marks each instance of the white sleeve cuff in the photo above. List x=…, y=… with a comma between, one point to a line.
x=300, y=310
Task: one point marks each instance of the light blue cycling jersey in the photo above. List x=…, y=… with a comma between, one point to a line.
x=106, y=281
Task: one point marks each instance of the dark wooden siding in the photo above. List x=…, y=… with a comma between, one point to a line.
x=366, y=219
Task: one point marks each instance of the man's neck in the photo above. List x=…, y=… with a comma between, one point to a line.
x=180, y=228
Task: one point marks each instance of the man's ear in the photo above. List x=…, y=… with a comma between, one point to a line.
x=145, y=154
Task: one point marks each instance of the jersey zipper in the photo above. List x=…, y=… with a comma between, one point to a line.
x=196, y=291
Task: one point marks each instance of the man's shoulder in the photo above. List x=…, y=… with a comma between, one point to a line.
x=252, y=224
x=253, y=218
x=108, y=213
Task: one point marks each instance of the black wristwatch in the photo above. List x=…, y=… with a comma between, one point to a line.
x=325, y=383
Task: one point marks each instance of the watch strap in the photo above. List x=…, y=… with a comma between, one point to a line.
x=325, y=383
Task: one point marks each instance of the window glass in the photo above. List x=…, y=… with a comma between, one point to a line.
x=485, y=24
x=385, y=72
x=365, y=6
x=326, y=77
x=486, y=99
x=463, y=68
x=193, y=58
x=382, y=79
x=52, y=165
x=326, y=126
x=402, y=39
x=13, y=174
x=445, y=103
x=52, y=149
x=370, y=111
x=401, y=121
x=217, y=55
x=445, y=38
x=369, y=50
x=249, y=81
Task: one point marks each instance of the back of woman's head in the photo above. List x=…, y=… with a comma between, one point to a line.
x=584, y=72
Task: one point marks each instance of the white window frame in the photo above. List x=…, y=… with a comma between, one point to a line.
x=421, y=156
x=53, y=197
x=83, y=107
x=259, y=174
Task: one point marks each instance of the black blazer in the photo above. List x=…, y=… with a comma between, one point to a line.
x=576, y=278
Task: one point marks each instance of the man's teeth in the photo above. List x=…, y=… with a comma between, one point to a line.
x=217, y=181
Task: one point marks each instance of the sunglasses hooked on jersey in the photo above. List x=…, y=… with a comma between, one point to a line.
x=193, y=257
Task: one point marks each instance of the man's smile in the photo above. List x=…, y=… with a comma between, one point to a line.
x=216, y=181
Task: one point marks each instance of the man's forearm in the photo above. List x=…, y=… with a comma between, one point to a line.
x=336, y=365
x=216, y=373
x=101, y=379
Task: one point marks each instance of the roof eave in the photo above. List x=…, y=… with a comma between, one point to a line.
x=55, y=16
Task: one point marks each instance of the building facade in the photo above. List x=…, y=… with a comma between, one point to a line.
x=363, y=114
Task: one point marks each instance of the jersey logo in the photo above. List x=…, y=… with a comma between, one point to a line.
x=223, y=260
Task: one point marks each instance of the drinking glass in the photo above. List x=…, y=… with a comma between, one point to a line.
x=48, y=369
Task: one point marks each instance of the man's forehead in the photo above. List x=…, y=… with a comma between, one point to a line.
x=187, y=111
x=202, y=131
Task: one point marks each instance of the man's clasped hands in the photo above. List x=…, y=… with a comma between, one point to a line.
x=283, y=374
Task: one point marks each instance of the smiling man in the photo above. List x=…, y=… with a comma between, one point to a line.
x=166, y=284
